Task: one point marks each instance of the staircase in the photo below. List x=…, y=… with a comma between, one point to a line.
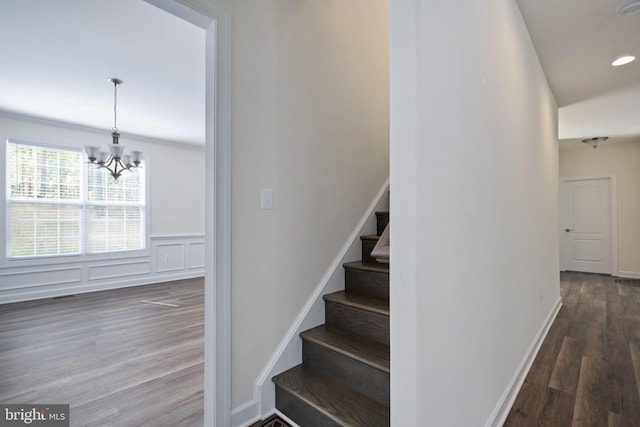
x=344, y=376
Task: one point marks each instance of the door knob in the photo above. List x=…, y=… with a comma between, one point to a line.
x=568, y=230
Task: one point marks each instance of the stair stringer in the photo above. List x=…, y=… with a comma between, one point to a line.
x=289, y=352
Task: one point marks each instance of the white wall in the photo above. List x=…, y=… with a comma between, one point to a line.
x=474, y=199
x=310, y=121
x=175, y=211
x=621, y=158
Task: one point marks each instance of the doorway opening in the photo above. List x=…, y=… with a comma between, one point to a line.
x=216, y=20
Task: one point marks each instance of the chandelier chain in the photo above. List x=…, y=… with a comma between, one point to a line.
x=115, y=106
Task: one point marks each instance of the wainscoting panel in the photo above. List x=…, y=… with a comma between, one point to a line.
x=170, y=258
x=196, y=255
x=11, y=280
x=116, y=270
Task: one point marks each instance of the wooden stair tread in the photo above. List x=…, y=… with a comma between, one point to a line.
x=370, y=237
x=346, y=407
x=357, y=347
x=362, y=302
x=375, y=268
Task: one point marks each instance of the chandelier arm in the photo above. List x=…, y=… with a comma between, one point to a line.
x=112, y=164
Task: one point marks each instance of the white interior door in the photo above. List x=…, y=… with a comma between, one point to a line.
x=586, y=225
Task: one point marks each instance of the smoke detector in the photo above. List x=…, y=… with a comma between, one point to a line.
x=629, y=8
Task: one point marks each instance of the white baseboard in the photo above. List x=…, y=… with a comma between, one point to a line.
x=286, y=419
x=289, y=352
x=246, y=414
x=629, y=274
x=501, y=411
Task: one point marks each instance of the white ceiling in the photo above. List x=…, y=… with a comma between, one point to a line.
x=57, y=57
x=576, y=41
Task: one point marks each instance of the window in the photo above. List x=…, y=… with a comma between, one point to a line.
x=57, y=206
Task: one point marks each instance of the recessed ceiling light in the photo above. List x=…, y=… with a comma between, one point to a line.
x=623, y=60
x=629, y=8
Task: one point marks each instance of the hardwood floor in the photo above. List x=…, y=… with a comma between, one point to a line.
x=126, y=357
x=134, y=357
x=587, y=372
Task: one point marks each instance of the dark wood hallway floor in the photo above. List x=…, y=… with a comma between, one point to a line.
x=587, y=372
x=126, y=357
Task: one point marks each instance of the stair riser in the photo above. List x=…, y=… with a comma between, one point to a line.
x=300, y=411
x=382, y=219
x=371, y=325
x=367, y=247
x=363, y=282
x=353, y=373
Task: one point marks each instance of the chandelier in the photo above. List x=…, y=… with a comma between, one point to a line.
x=114, y=160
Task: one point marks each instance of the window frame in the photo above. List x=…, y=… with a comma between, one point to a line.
x=84, y=255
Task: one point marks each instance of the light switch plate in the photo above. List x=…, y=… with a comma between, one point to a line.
x=266, y=198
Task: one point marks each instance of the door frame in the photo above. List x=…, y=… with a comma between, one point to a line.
x=613, y=211
x=216, y=20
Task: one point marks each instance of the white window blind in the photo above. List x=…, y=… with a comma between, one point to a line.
x=115, y=211
x=57, y=206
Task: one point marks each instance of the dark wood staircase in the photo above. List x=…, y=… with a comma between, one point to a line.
x=344, y=376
